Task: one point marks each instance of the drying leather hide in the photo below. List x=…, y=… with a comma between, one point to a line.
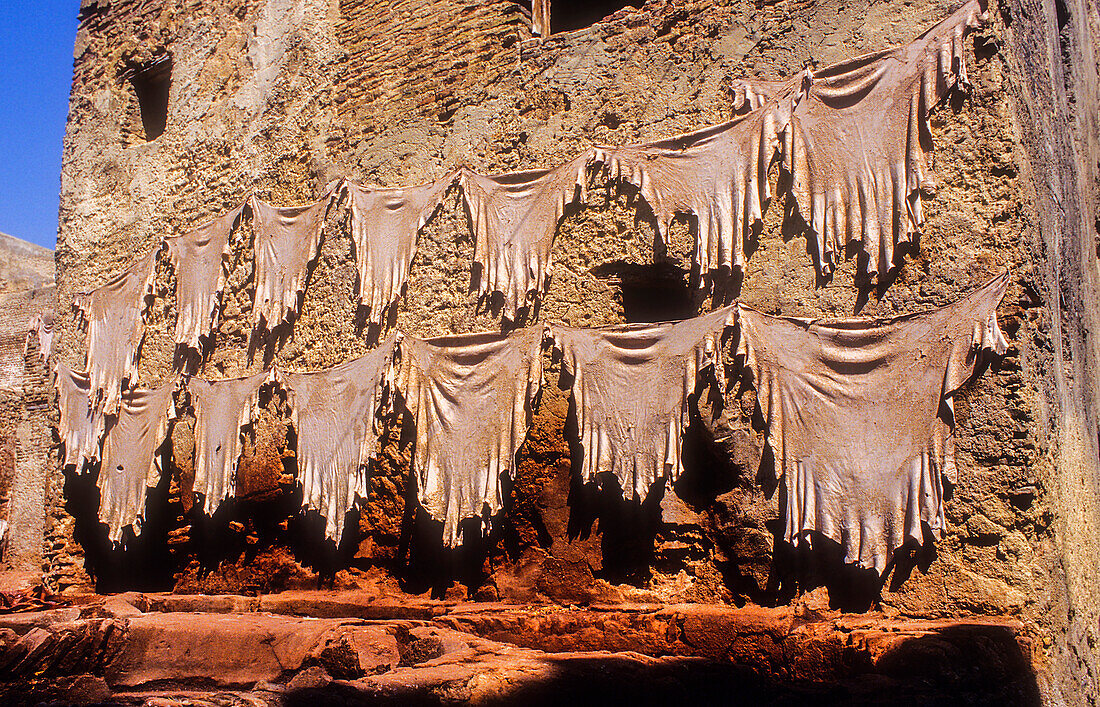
x=540, y=18
x=130, y=463
x=81, y=425
x=857, y=144
x=221, y=408
x=471, y=397
x=384, y=228
x=860, y=419
x=632, y=386
x=717, y=174
x=112, y=315
x=286, y=241
x=40, y=327
x=198, y=258
x=514, y=218
x=335, y=414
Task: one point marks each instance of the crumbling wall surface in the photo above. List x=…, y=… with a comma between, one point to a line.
x=1051, y=51
x=279, y=98
x=26, y=290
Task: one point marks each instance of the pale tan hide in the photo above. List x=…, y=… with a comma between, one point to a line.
x=540, y=18
x=857, y=144
x=40, y=327
x=631, y=390
x=717, y=174
x=112, y=315
x=514, y=218
x=222, y=408
x=335, y=414
x=130, y=463
x=471, y=397
x=81, y=425
x=385, y=224
x=285, y=241
x=198, y=258
x=860, y=419
x=750, y=94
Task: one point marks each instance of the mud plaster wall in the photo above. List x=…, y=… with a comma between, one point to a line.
x=279, y=97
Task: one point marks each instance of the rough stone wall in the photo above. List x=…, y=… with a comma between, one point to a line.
x=278, y=98
x=1051, y=50
x=26, y=290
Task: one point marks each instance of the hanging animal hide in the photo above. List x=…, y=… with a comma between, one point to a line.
x=631, y=388
x=857, y=144
x=514, y=218
x=384, y=228
x=81, y=425
x=860, y=419
x=335, y=414
x=540, y=17
x=112, y=315
x=221, y=408
x=198, y=258
x=471, y=397
x=749, y=94
x=41, y=328
x=286, y=241
x=130, y=463
x=718, y=174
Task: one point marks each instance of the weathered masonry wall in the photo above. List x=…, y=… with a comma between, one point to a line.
x=277, y=98
x=26, y=290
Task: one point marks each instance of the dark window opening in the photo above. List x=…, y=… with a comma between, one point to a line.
x=650, y=293
x=151, y=81
x=568, y=15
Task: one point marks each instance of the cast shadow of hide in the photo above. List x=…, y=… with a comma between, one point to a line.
x=423, y=563
x=139, y=562
x=268, y=341
x=799, y=569
x=629, y=527
x=722, y=284
x=795, y=226
x=372, y=331
x=272, y=513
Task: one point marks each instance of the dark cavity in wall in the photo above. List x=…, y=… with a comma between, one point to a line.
x=151, y=81
x=568, y=15
x=650, y=293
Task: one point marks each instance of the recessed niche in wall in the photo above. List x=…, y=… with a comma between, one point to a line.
x=655, y=292
x=151, y=81
x=568, y=15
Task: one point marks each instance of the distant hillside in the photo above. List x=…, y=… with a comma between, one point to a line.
x=24, y=265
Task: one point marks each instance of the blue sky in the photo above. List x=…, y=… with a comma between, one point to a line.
x=36, y=69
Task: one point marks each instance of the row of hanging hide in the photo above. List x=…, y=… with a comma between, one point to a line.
x=858, y=415
x=853, y=138
x=471, y=398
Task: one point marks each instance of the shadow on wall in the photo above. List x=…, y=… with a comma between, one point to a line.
x=970, y=664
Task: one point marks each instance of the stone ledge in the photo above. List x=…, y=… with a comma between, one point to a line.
x=196, y=648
